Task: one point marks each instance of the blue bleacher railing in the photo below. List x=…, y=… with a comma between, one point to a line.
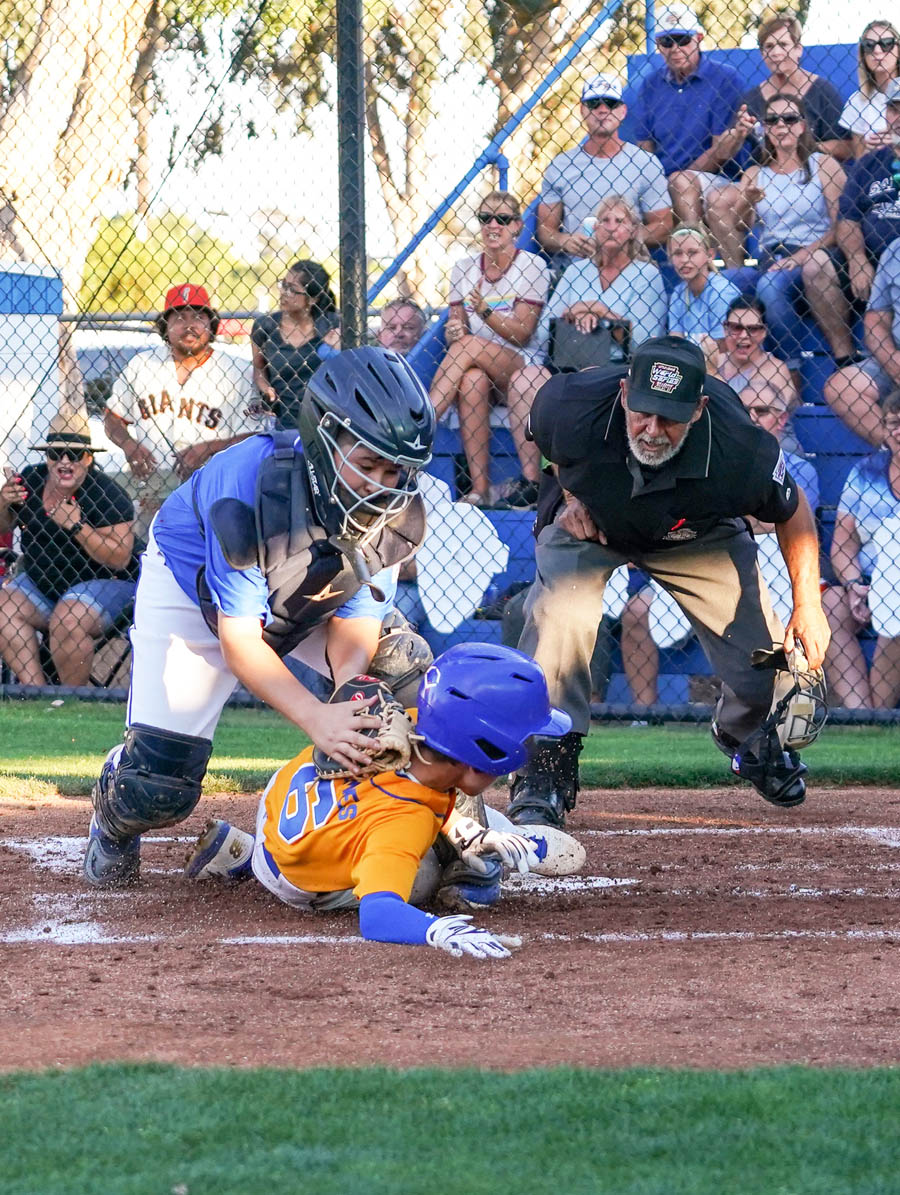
x=489, y=156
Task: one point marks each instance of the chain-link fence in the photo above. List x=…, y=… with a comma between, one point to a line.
x=546, y=186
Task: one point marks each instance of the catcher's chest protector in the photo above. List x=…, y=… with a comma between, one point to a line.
x=307, y=576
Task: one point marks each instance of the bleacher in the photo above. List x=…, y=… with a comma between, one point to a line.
x=833, y=447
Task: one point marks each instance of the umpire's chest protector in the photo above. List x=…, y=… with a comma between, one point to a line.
x=308, y=577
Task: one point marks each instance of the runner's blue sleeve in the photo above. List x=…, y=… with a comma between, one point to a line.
x=386, y=917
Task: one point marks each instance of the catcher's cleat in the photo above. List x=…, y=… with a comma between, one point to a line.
x=111, y=862
x=462, y=888
x=222, y=850
x=547, y=787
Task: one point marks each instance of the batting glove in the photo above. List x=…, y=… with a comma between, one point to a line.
x=457, y=937
x=515, y=851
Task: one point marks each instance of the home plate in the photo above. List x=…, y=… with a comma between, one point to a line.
x=545, y=884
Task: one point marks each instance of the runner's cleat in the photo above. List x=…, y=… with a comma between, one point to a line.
x=221, y=850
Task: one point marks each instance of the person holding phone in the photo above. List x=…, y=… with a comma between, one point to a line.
x=78, y=567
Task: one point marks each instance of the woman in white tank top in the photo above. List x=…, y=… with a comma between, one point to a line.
x=795, y=194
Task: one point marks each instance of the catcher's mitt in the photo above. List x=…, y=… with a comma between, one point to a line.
x=392, y=740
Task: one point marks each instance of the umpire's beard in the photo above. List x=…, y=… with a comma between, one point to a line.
x=666, y=450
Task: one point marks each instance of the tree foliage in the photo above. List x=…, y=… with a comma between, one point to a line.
x=283, y=47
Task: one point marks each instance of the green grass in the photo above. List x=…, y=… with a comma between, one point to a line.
x=130, y=1130
x=684, y=756
x=46, y=750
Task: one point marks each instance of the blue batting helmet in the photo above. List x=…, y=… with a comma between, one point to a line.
x=480, y=702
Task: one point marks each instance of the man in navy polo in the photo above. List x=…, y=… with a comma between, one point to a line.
x=689, y=115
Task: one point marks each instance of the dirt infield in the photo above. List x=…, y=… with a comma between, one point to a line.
x=708, y=929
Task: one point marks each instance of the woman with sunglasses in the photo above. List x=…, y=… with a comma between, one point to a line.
x=496, y=298
x=78, y=566
x=286, y=343
x=861, y=555
x=879, y=62
x=779, y=44
x=744, y=362
x=795, y=194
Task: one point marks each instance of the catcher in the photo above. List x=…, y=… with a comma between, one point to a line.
x=326, y=840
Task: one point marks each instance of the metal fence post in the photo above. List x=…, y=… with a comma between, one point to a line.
x=351, y=183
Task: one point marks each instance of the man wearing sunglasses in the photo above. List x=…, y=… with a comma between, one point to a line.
x=577, y=180
x=689, y=115
x=78, y=566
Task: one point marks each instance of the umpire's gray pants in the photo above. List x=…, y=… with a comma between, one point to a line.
x=716, y=582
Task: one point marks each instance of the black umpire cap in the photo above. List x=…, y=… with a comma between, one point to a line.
x=666, y=378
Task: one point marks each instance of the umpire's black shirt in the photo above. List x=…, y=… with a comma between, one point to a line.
x=727, y=467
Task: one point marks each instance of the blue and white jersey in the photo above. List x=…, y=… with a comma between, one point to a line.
x=187, y=545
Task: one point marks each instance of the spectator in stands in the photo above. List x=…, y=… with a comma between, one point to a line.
x=496, y=298
x=742, y=358
x=175, y=406
x=78, y=566
x=403, y=324
x=795, y=193
x=779, y=44
x=699, y=303
x=768, y=407
x=287, y=343
x=602, y=165
x=618, y=282
x=879, y=65
x=690, y=115
x=870, y=204
x=854, y=393
x=868, y=502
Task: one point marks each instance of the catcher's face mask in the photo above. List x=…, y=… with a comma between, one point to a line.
x=797, y=717
x=368, y=488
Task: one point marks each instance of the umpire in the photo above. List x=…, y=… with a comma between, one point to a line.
x=659, y=465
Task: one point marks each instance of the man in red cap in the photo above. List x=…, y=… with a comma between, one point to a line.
x=176, y=405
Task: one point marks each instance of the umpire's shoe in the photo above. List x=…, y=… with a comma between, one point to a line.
x=546, y=789
x=777, y=773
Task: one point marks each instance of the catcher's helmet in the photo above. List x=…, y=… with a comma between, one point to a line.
x=798, y=716
x=373, y=395
x=479, y=702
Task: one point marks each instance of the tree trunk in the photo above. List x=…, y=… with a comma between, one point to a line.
x=143, y=104
x=67, y=136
